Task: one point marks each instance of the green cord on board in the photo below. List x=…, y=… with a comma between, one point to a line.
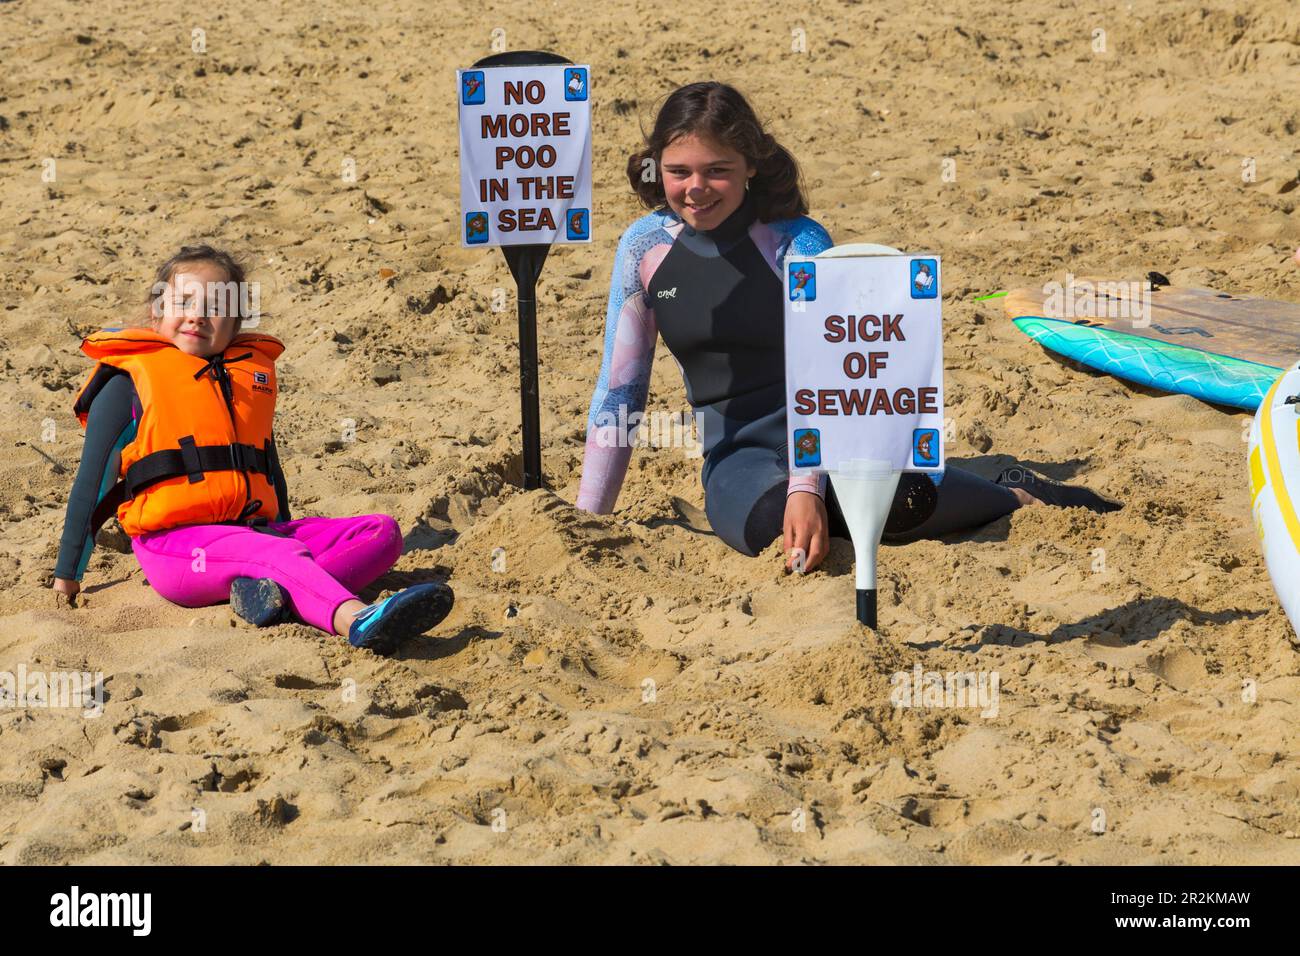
x=991, y=295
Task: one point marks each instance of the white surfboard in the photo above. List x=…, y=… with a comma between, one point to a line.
x=1274, y=463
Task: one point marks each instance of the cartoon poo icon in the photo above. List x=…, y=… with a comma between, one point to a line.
x=808, y=443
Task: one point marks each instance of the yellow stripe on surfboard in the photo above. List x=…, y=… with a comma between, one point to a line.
x=1256, y=474
x=1275, y=466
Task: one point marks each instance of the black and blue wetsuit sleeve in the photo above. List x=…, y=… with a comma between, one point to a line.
x=110, y=426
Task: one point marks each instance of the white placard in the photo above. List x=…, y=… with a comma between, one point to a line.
x=863, y=362
x=525, y=155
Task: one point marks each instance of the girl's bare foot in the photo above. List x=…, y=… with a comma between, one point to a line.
x=1024, y=497
x=1018, y=480
x=65, y=592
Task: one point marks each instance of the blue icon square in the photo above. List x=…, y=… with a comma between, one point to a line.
x=803, y=281
x=925, y=447
x=473, y=88
x=575, y=83
x=476, y=228
x=925, y=279
x=577, y=224
x=807, y=447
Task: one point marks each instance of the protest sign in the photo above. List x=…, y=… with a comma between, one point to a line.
x=864, y=362
x=525, y=155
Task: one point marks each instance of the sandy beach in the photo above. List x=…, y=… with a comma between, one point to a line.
x=625, y=688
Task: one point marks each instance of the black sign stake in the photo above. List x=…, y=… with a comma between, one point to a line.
x=526, y=265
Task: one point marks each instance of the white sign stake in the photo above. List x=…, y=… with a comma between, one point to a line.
x=864, y=383
x=865, y=491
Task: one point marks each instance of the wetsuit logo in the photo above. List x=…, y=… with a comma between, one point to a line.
x=925, y=279
x=807, y=447
x=803, y=281
x=925, y=447
x=472, y=88
x=667, y=293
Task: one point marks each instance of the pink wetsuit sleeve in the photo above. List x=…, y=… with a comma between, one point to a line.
x=814, y=483
x=620, y=396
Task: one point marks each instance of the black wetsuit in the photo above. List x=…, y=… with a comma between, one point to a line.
x=716, y=298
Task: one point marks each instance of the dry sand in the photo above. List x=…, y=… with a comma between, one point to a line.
x=1121, y=674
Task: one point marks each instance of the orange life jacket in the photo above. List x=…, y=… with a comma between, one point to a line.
x=203, y=451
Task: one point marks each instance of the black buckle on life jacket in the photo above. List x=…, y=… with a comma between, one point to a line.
x=239, y=461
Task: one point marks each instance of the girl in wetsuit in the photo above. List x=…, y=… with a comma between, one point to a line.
x=703, y=270
x=181, y=410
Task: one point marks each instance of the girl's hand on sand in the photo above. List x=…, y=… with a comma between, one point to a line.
x=69, y=589
x=807, y=531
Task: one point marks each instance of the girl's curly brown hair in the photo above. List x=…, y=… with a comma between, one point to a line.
x=721, y=113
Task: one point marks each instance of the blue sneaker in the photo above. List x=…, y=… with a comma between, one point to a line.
x=408, y=613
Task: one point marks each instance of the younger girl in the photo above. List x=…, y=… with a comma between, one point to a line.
x=703, y=269
x=179, y=446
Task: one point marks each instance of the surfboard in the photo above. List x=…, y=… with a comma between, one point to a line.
x=1216, y=346
x=1273, y=462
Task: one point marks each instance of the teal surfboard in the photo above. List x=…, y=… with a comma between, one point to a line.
x=1214, y=346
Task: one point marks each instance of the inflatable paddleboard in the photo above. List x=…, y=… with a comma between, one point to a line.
x=1274, y=464
x=1215, y=346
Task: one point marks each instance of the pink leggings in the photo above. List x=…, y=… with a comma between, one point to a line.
x=321, y=563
